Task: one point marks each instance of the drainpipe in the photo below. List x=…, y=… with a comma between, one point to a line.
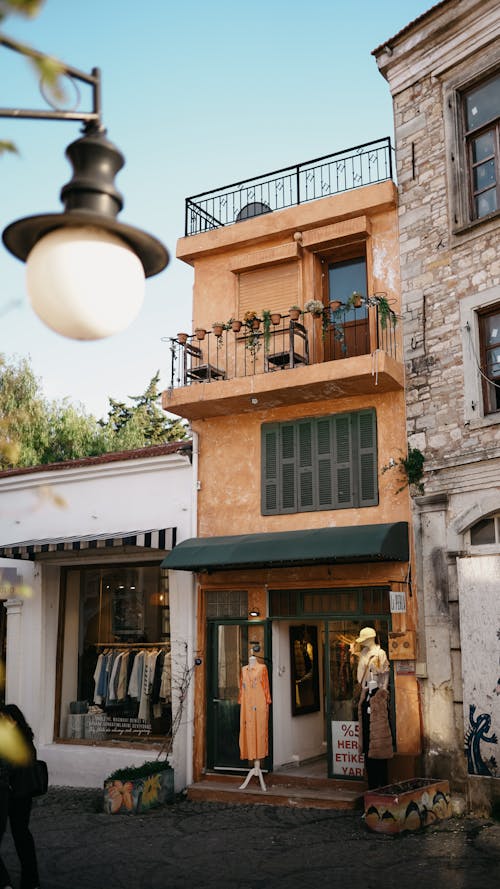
x=191, y=653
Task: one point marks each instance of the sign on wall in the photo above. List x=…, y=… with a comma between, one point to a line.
x=348, y=761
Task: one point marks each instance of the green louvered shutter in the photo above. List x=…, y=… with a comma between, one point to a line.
x=306, y=492
x=324, y=463
x=288, y=486
x=344, y=493
x=270, y=498
x=367, y=457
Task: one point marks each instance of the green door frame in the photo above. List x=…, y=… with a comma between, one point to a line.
x=212, y=687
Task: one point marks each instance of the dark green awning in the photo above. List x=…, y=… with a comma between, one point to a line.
x=361, y=543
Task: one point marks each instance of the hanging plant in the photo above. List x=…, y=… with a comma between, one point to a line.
x=294, y=312
x=235, y=325
x=252, y=322
x=384, y=310
x=266, y=319
x=200, y=333
x=275, y=318
x=355, y=300
x=218, y=327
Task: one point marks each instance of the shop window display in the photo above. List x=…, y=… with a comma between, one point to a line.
x=116, y=672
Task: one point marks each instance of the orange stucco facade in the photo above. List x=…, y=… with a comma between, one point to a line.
x=226, y=415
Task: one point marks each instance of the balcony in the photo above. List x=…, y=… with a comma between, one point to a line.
x=279, y=359
x=322, y=177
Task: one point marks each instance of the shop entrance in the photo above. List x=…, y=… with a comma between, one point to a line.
x=230, y=644
x=315, y=718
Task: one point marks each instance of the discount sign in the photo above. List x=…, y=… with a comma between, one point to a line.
x=348, y=761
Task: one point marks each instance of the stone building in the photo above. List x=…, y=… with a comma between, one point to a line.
x=443, y=70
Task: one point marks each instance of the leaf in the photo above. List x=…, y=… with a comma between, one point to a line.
x=7, y=146
x=50, y=72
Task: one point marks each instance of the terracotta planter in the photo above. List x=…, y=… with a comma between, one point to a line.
x=410, y=805
x=182, y=338
x=275, y=318
x=200, y=333
x=357, y=300
x=255, y=323
x=294, y=314
x=335, y=305
x=134, y=797
x=217, y=329
x=236, y=326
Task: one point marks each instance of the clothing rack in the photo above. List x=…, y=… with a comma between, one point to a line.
x=130, y=644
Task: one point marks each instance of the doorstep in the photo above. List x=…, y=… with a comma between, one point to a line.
x=282, y=790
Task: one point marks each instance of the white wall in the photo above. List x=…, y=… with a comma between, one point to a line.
x=126, y=495
x=295, y=738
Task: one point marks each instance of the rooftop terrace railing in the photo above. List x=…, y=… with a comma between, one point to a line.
x=321, y=177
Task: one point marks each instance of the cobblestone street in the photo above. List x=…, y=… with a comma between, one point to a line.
x=205, y=845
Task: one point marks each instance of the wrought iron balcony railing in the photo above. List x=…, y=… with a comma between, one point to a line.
x=280, y=343
x=324, y=176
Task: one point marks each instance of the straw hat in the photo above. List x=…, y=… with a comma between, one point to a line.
x=366, y=633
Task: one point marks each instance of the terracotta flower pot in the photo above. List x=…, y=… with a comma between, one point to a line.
x=335, y=305
x=200, y=333
x=236, y=326
x=357, y=300
x=217, y=329
x=255, y=323
x=275, y=317
x=182, y=338
x=294, y=314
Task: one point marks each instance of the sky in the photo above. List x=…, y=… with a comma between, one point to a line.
x=196, y=95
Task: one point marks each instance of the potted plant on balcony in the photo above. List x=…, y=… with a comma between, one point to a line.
x=275, y=318
x=266, y=320
x=252, y=322
x=218, y=328
x=315, y=307
x=294, y=312
x=355, y=300
x=200, y=333
x=235, y=324
x=182, y=338
x=384, y=309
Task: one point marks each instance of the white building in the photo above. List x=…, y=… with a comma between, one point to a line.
x=81, y=587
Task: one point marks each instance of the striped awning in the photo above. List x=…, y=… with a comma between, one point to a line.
x=159, y=538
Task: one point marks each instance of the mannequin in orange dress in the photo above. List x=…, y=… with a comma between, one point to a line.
x=254, y=699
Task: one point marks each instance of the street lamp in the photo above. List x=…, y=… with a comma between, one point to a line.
x=85, y=270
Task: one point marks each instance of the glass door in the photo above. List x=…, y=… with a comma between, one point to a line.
x=230, y=645
x=345, y=760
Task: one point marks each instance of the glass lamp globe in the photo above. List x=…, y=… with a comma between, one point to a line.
x=85, y=282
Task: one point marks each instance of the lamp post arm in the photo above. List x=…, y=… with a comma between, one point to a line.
x=91, y=119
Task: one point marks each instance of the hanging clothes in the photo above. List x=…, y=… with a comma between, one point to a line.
x=254, y=698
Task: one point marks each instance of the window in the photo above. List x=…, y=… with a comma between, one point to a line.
x=116, y=654
x=489, y=338
x=486, y=532
x=482, y=128
x=320, y=463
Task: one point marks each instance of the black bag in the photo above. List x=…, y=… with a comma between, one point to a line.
x=30, y=780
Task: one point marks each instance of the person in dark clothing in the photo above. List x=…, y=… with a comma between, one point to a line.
x=17, y=809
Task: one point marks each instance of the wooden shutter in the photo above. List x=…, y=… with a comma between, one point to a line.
x=288, y=487
x=344, y=493
x=272, y=287
x=324, y=463
x=270, y=497
x=367, y=457
x=306, y=484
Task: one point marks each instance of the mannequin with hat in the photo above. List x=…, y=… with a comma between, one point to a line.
x=373, y=710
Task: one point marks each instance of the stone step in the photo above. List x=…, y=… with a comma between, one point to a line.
x=282, y=790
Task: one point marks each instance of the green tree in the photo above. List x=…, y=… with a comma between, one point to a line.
x=35, y=431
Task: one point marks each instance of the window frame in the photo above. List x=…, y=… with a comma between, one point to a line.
x=470, y=135
x=313, y=464
x=455, y=88
x=472, y=307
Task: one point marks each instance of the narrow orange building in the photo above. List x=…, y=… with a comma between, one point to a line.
x=293, y=382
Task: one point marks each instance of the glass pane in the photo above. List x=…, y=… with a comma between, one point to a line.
x=486, y=203
x=493, y=363
x=483, y=532
x=123, y=646
x=484, y=175
x=345, y=278
x=492, y=329
x=483, y=147
x=231, y=655
x=483, y=103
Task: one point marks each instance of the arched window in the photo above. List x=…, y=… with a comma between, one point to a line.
x=486, y=532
